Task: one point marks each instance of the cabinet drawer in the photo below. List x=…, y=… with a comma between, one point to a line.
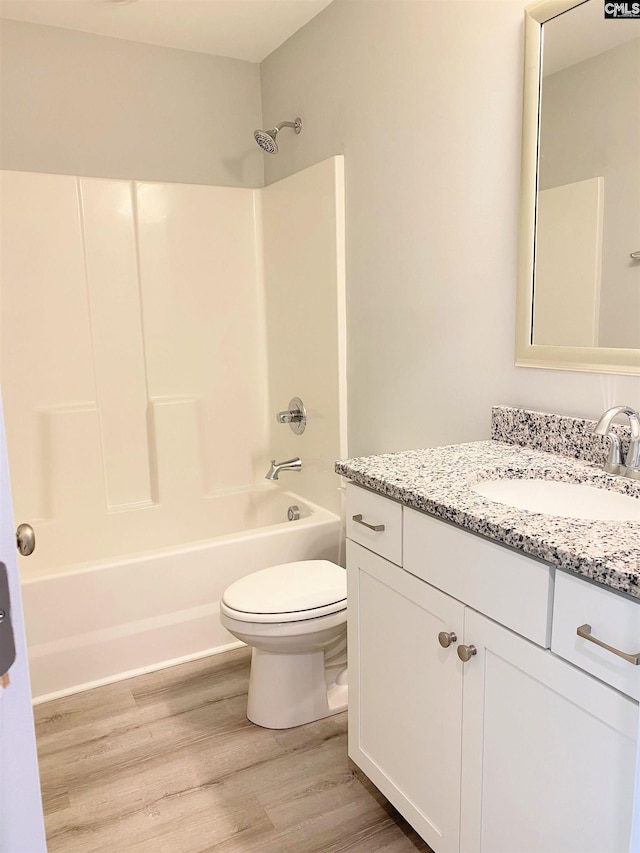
x=376, y=511
x=614, y=620
x=511, y=588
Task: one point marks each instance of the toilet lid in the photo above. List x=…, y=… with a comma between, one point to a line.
x=290, y=588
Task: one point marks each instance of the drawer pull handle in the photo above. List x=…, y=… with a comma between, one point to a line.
x=584, y=631
x=377, y=527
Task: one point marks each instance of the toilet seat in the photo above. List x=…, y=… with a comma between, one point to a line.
x=290, y=592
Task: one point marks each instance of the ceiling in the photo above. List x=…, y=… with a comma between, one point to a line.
x=241, y=29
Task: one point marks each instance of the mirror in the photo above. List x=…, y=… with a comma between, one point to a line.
x=578, y=284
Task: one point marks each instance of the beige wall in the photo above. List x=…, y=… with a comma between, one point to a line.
x=80, y=104
x=423, y=97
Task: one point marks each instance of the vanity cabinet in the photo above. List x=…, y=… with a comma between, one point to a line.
x=515, y=749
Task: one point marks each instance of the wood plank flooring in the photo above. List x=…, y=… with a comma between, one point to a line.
x=168, y=763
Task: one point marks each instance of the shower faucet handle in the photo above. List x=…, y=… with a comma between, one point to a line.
x=288, y=417
x=295, y=416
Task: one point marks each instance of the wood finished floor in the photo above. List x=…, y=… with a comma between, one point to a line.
x=168, y=763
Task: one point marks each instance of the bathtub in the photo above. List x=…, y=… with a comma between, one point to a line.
x=102, y=620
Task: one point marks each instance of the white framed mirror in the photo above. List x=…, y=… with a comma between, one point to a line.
x=578, y=305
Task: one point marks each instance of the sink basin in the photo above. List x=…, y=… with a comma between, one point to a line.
x=568, y=500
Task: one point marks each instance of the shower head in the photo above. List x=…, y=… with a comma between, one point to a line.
x=266, y=139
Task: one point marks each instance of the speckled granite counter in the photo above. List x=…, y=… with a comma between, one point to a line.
x=438, y=481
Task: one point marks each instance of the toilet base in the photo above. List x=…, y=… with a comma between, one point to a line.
x=288, y=690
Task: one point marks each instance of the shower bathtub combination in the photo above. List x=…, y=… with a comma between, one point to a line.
x=110, y=618
x=140, y=404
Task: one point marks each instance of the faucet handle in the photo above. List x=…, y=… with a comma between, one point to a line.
x=613, y=464
x=295, y=416
x=632, y=461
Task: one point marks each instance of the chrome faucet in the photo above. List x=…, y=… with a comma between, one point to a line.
x=614, y=464
x=294, y=464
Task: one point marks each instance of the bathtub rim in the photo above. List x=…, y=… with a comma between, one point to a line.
x=319, y=515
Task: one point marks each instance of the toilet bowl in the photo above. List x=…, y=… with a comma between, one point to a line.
x=294, y=616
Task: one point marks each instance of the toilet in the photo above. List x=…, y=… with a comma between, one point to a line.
x=294, y=616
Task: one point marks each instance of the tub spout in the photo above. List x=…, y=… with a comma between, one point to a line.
x=294, y=464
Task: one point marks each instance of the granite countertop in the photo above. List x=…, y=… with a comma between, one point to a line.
x=438, y=481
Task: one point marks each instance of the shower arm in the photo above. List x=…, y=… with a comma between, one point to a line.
x=296, y=125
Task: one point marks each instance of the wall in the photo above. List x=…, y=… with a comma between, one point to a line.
x=579, y=112
x=303, y=234
x=80, y=104
x=424, y=99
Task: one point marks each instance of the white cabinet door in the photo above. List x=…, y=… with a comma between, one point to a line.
x=21, y=821
x=405, y=693
x=548, y=751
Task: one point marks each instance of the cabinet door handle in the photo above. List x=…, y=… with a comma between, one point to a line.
x=445, y=638
x=465, y=653
x=584, y=631
x=377, y=527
